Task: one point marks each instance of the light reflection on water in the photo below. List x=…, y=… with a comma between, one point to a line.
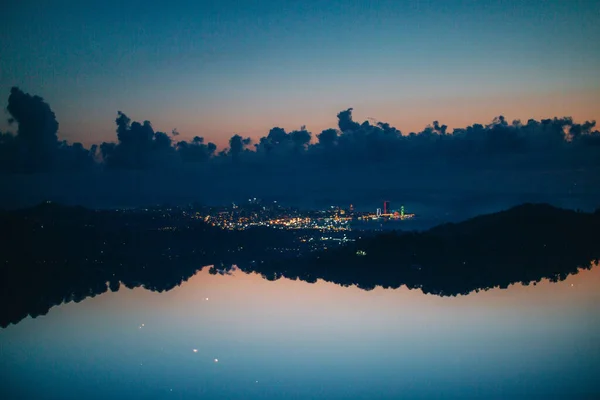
x=239, y=336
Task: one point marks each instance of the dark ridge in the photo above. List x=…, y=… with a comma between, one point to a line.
x=524, y=244
x=55, y=254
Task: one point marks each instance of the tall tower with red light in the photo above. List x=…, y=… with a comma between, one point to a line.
x=386, y=206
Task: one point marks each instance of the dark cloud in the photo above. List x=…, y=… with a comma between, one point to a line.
x=195, y=151
x=35, y=147
x=138, y=146
x=345, y=122
x=328, y=138
x=277, y=136
x=301, y=138
x=237, y=145
x=545, y=160
x=37, y=123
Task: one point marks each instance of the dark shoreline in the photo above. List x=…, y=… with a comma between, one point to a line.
x=55, y=254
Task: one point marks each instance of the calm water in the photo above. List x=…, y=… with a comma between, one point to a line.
x=239, y=336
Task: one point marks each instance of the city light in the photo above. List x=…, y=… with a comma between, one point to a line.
x=333, y=219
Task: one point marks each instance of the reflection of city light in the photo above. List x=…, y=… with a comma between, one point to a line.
x=195, y=350
x=216, y=360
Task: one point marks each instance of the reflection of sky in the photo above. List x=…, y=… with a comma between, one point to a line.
x=290, y=339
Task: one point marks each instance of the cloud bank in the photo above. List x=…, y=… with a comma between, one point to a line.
x=552, y=158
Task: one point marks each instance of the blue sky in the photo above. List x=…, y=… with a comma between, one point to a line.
x=212, y=68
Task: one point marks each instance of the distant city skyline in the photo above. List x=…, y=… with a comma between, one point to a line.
x=213, y=69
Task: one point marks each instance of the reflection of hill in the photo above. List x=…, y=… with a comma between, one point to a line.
x=56, y=254
x=524, y=244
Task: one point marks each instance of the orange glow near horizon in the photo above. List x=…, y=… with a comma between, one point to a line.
x=408, y=115
x=255, y=292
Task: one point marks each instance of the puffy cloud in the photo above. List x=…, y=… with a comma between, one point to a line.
x=368, y=159
x=37, y=123
x=195, y=151
x=328, y=137
x=277, y=136
x=237, y=145
x=301, y=138
x=138, y=146
x=35, y=147
x=345, y=122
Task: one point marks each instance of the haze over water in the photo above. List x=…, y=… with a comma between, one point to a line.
x=240, y=336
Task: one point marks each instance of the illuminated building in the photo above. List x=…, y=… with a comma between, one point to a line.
x=386, y=206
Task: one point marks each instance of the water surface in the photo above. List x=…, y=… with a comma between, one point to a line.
x=240, y=336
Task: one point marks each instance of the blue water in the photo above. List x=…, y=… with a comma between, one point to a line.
x=241, y=337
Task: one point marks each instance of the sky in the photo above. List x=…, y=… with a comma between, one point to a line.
x=214, y=68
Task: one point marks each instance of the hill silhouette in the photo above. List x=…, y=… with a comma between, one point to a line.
x=524, y=244
x=57, y=254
